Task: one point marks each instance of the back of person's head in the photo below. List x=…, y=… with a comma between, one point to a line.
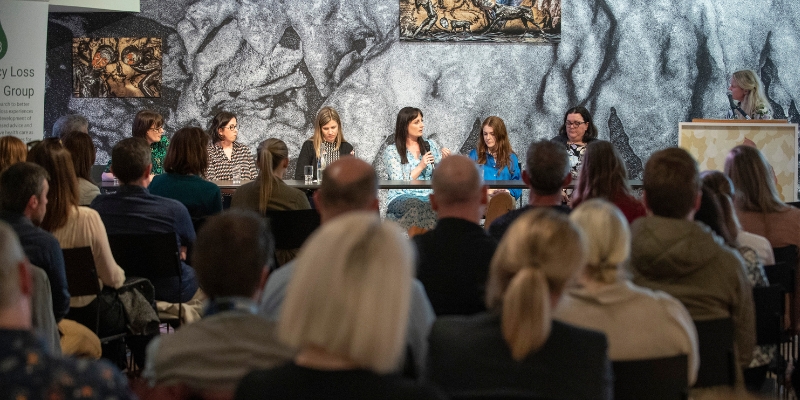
x=608, y=239
x=80, y=147
x=271, y=153
x=220, y=121
x=63, y=195
x=187, y=154
x=12, y=151
x=18, y=183
x=70, y=123
x=231, y=252
x=603, y=173
x=350, y=292
x=671, y=183
x=144, y=121
x=348, y=184
x=541, y=251
x=752, y=181
x=710, y=213
x=130, y=159
x=11, y=255
x=722, y=188
x=456, y=181
x=547, y=165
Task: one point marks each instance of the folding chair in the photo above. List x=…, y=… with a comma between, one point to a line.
x=292, y=228
x=717, y=363
x=655, y=379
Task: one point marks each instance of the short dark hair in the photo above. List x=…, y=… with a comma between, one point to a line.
x=70, y=123
x=145, y=120
x=187, y=152
x=219, y=121
x=671, y=183
x=130, y=158
x=82, y=150
x=230, y=253
x=18, y=183
x=547, y=165
x=591, y=128
x=353, y=195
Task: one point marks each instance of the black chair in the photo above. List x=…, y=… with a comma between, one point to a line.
x=785, y=268
x=153, y=256
x=655, y=379
x=498, y=394
x=717, y=362
x=769, y=306
x=82, y=281
x=292, y=228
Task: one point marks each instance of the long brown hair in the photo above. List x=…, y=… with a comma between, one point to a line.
x=502, y=145
x=754, y=189
x=404, y=118
x=187, y=154
x=722, y=188
x=271, y=153
x=603, y=174
x=12, y=151
x=324, y=116
x=80, y=147
x=63, y=195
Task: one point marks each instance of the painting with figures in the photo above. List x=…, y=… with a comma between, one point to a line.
x=116, y=67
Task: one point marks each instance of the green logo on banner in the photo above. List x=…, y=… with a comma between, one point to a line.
x=3, y=42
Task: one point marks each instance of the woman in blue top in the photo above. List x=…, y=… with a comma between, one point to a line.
x=411, y=158
x=495, y=154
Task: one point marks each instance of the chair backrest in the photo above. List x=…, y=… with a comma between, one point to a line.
x=81, y=271
x=717, y=363
x=785, y=268
x=498, y=394
x=151, y=255
x=656, y=378
x=769, y=304
x=292, y=228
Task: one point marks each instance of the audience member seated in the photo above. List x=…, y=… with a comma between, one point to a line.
x=147, y=125
x=350, y=184
x=327, y=143
x=12, y=151
x=226, y=156
x=77, y=226
x=577, y=131
x=184, y=165
x=69, y=123
x=411, y=158
x=23, y=201
x=499, y=162
x=350, y=328
x=516, y=348
x=712, y=215
x=232, y=254
x=133, y=210
x=29, y=370
x=82, y=150
x=546, y=172
x=638, y=322
x=605, y=176
x=453, y=259
x=672, y=253
x=268, y=192
x=760, y=210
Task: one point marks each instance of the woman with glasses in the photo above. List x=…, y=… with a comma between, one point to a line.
x=327, y=144
x=575, y=133
x=226, y=156
x=148, y=125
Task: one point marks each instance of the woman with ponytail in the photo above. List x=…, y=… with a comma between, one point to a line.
x=516, y=347
x=639, y=323
x=268, y=192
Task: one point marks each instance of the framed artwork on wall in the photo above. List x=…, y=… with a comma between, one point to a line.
x=501, y=21
x=116, y=67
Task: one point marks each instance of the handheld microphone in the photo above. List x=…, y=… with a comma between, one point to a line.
x=427, y=147
x=735, y=108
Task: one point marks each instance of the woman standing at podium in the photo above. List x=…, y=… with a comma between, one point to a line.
x=748, y=91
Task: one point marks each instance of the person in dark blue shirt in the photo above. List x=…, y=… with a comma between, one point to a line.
x=133, y=210
x=23, y=200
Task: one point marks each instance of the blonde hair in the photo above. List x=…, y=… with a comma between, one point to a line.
x=608, y=239
x=350, y=296
x=12, y=151
x=324, y=116
x=755, y=97
x=271, y=153
x=538, y=255
x=754, y=189
x=10, y=256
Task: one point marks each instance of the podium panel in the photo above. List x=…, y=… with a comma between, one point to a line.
x=709, y=141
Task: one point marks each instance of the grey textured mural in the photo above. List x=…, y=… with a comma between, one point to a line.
x=640, y=66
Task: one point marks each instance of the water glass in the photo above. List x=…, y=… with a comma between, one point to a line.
x=237, y=177
x=320, y=170
x=308, y=173
x=116, y=181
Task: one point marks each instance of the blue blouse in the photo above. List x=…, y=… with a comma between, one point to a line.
x=396, y=171
x=491, y=173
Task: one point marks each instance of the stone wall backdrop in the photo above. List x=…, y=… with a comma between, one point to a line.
x=641, y=66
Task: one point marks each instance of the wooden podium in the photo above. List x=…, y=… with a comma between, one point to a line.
x=710, y=140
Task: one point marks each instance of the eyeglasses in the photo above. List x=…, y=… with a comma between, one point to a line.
x=233, y=127
x=160, y=128
x=574, y=124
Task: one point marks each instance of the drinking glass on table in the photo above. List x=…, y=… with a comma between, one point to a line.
x=237, y=177
x=308, y=173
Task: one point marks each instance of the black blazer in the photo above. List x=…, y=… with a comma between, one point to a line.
x=309, y=157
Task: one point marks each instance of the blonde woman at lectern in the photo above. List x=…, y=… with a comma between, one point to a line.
x=748, y=93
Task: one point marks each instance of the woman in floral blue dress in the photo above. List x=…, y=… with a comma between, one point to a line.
x=411, y=158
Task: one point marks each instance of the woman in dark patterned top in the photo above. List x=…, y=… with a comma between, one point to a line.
x=575, y=133
x=225, y=154
x=148, y=125
x=327, y=144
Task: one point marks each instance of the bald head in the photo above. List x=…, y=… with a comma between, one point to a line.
x=456, y=180
x=348, y=184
